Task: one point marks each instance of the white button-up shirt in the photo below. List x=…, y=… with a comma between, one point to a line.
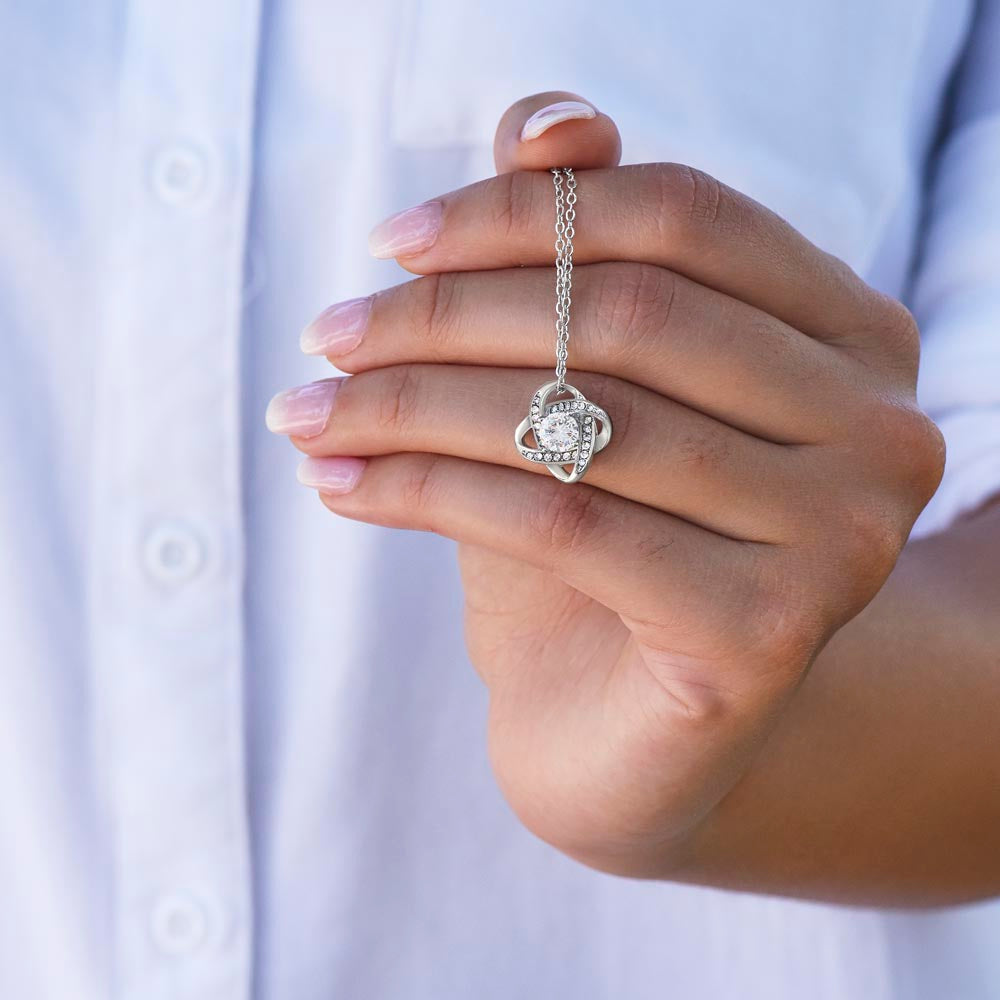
x=241, y=751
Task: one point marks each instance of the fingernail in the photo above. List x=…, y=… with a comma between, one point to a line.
x=408, y=232
x=303, y=411
x=331, y=475
x=553, y=114
x=338, y=329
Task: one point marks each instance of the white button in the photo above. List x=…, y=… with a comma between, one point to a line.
x=180, y=173
x=179, y=923
x=173, y=552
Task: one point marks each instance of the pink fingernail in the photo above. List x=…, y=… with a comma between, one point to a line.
x=543, y=119
x=303, y=411
x=338, y=329
x=331, y=475
x=408, y=232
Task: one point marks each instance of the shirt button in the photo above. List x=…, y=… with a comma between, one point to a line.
x=179, y=173
x=179, y=923
x=173, y=552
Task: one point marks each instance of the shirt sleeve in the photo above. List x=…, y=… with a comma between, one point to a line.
x=955, y=295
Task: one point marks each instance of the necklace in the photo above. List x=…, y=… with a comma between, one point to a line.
x=568, y=429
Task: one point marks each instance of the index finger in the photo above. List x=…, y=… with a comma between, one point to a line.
x=666, y=214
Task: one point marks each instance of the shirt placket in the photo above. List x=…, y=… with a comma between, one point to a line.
x=167, y=587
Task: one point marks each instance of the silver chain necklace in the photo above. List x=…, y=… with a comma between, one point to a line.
x=565, y=231
x=568, y=429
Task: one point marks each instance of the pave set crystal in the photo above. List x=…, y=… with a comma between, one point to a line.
x=567, y=432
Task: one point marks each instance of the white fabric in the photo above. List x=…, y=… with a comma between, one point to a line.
x=241, y=751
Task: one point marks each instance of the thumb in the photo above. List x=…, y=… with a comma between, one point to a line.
x=555, y=129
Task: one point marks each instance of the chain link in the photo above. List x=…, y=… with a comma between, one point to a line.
x=565, y=216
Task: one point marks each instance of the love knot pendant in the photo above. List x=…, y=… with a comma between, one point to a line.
x=568, y=431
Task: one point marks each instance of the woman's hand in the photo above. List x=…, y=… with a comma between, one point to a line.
x=641, y=631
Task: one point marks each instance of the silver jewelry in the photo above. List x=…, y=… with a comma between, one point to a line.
x=568, y=429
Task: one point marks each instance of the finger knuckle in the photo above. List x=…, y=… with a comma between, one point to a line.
x=900, y=444
x=919, y=448
x=633, y=308
x=935, y=453
x=855, y=544
x=567, y=520
x=398, y=406
x=870, y=543
x=700, y=196
x=417, y=486
x=897, y=330
x=435, y=307
x=781, y=623
x=686, y=199
x=511, y=202
x=706, y=447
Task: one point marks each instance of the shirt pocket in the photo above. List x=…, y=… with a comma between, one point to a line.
x=459, y=66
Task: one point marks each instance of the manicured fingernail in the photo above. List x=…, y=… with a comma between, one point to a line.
x=408, y=232
x=544, y=118
x=303, y=411
x=338, y=329
x=331, y=475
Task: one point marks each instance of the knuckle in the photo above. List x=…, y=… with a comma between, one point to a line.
x=872, y=540
x=857, y=544
x=434, y=310
x=935, y=455
x=919, y=448
x=897, y=330
x=781, y=621
x=767, y=620
x=418, y=483
x=654, y=550
x=702, y=196
x=567, y=519
x=397, y=409
x=688, y=198
x=706, y=447
x=633, y=308
x=511, y=202
x=902, y=445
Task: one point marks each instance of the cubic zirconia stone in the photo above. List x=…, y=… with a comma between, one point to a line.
x=558, y=431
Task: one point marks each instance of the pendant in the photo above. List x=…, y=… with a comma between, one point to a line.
x=568, y=431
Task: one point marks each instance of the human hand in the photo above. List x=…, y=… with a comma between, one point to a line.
x=640, y=631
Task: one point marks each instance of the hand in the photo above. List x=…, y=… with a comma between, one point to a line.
x=641, y=631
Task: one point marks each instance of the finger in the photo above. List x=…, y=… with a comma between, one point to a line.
x=579, y=533
x=553, y=129
x=662, y=454
x=664, y=214
x=639, y=322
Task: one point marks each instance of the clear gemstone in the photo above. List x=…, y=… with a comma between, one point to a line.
x=558, y=431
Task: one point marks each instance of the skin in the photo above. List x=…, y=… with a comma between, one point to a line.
x=691, y=676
